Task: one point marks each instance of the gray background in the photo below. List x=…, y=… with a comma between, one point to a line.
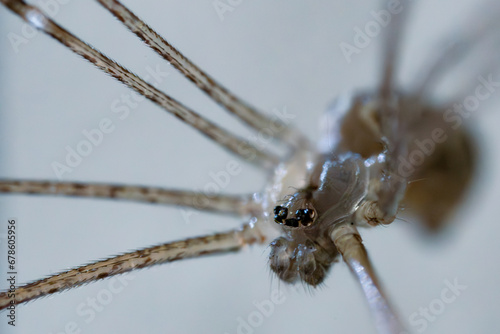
x=274, y=54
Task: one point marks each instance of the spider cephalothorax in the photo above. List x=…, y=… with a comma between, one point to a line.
x=306, y=251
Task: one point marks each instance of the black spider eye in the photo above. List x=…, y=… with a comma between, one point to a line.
x=292, y=222
x=304, y=216
x=280, y=213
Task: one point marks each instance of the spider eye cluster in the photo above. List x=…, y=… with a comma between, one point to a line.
x=303, y=217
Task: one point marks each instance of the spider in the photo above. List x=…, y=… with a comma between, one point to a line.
x=340, y=291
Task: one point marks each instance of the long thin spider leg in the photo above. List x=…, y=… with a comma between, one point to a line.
x=392, y=121
x=489, y=73
x=391, y=49
x=206, y=83
x=229, y=204
x=350, y=245
x=240, y=147
x=457, y=49
x=219, y=243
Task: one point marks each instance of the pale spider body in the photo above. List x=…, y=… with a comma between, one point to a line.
x=207, y=279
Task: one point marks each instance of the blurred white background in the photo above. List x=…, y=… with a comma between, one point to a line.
x=280, y=54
